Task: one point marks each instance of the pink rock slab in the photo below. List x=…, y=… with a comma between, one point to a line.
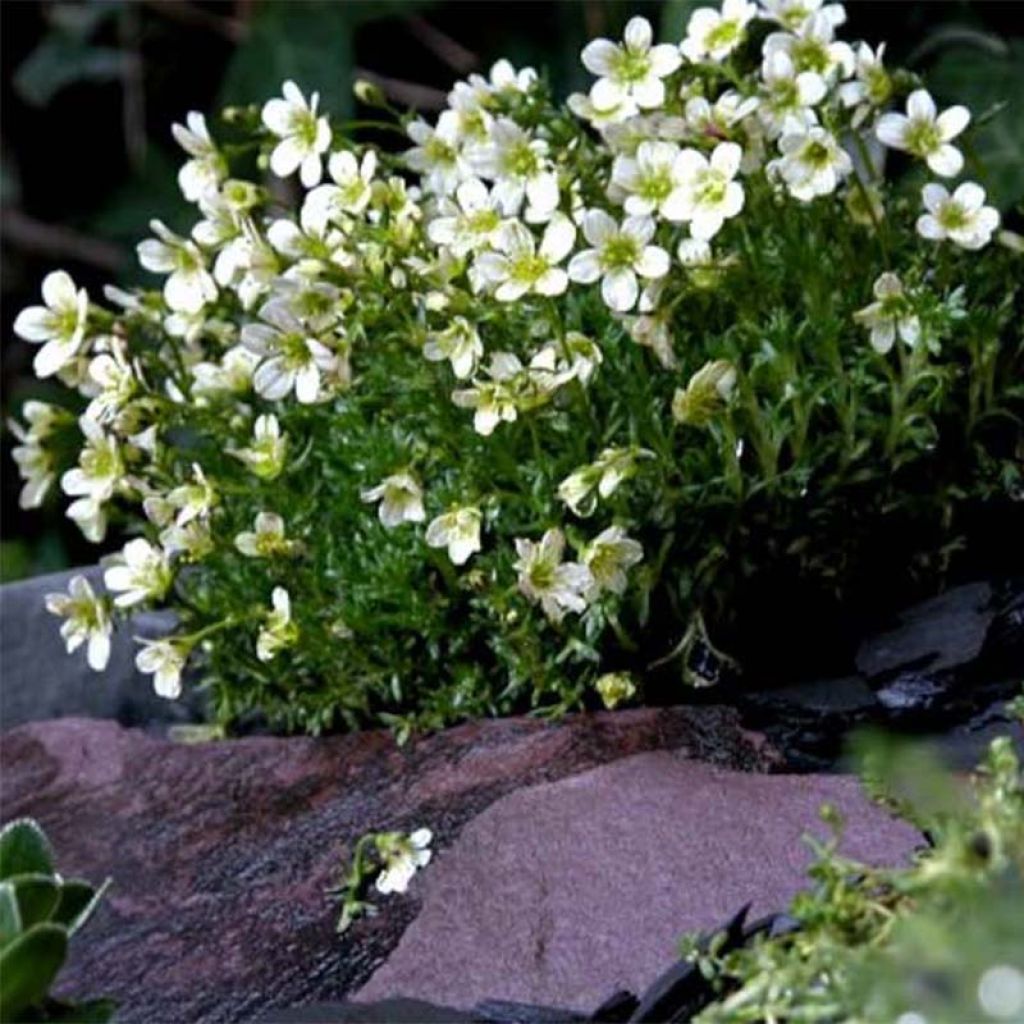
x=564, y=892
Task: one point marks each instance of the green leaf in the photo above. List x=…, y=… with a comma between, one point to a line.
x=37, y=896
x=310, y=43
x=10, y=918
x=28, y=966
x=24, y=849
x=995, y=149
x=78, y=900
x=58, y=62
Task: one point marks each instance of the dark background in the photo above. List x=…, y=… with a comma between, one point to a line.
x=90, y=89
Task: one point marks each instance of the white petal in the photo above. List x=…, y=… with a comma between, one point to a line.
x=952, y=122
x=653, y=262
x=934, y=195
x=929, y=227
x=619, y=290
x=970, y=195
x=59, y=290
x=34, y=324
x=946, y=161
x=287, y=156
x=585, y=267
x=920, y=105
x=891, y=130
x=638, y=35
x=726, y=158
x=598, y=56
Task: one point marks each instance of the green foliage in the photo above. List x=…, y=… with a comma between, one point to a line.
x=743, y=424
x=940, y=940
x=39, y=912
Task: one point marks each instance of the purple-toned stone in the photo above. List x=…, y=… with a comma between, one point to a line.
x=221, y=853
x=565, y=892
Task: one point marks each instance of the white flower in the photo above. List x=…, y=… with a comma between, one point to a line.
x=812, y=46
x=812, y=163
x=278, y=630
x=164, y=660
x=459, y=531
x=713, y=35
x=619, y=254
x=87, y=621
x=924, y=133
x=304, y=136
x=632, y=71
x=872, y=85
x=962, y=217
x=709, y=195
x=609, y=556
x=189, y=285
x=100, y=466
x=207, y=168
x=600, y=478
x=518, y=266
x=292, y=359
x=558, y=586
x=472, y=221
x=706, y=392
x=459, y=343
x=437, y=154
x=266, y=538
x=35, y=463
x=139, y=573
x=115, y=377
x=787, y=96
x=400, y=497
x=718, y=120
x=194, y=500
x=351, y=191
x=494, y=400
x=889, y=315
x=265, y=456
x=651, y=179
x=792, y=14
x=403, y=857
x=232, y=375
x=59, y=325
x=518, y=165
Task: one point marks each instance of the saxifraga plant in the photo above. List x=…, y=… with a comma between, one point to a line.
x=39, y=913
x=503, y=419
x=939, y=941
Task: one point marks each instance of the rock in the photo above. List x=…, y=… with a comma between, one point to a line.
x=41, y=681
x=565, y=892
x=808, y=721
x=221, y=853
x=943, y=633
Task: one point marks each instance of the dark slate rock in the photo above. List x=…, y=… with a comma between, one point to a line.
x=616, y=1009
x=943, y=633
x=387, y=1011
x=499, y=1011
x=221, y=854
x=40, y=680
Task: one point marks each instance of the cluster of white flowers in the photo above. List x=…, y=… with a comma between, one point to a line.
x=484, y=210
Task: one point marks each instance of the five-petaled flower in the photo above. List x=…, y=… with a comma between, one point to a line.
x=962, y=217
x=86, y=621
x=558, y=586
x=891, y=314
x=925, y=133
x=620, y=253
x=304, y=136
x=400, y=497
x=58, y=325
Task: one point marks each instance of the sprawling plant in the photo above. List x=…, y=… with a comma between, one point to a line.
x=940, y=940
x=505, y=417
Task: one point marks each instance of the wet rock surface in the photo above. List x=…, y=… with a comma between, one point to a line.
x=563, y=893
x=939, y=668
x=221, y=853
